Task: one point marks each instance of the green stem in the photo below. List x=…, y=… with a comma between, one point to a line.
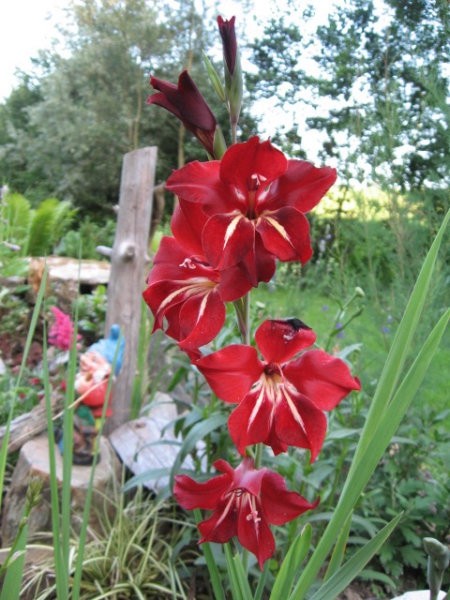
x=339, y=316
x=258, y=455
x=211, y=563
x=242, y=308
x=234, y=132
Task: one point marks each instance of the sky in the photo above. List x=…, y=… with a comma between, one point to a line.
x=27, y=26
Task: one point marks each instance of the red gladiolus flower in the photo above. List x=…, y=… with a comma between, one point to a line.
x=281, y=398
x=187, y=103
x=255, y=200
x=244, y=501
x=187, y=225
x=187, y=296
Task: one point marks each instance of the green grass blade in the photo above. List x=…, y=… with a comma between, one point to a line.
x=61, y=568
x=337, y=556
x=236, y=592
x=211, y=563
x=346, y=574
x=15, y=560
x=67, y=457
x=291, y=564
x=14, y=571
x=30, y=335
x=401, y=345
x=242, y=578
x=261, y=584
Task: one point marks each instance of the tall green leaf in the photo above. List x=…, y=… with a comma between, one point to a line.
x=347, y=573
x=392, y=405
x=291, y=564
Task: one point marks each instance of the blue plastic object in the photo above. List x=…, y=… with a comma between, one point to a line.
x=112, y=348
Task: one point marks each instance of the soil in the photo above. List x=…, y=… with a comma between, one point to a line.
x=11, y=351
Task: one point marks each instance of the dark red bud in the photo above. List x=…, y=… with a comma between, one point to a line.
x=228, y=35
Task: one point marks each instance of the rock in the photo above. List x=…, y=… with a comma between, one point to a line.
x=66, y=276
x=33, y=463
x=61, y=268
x=144, y=444
x=418, y=595
x=350, y=594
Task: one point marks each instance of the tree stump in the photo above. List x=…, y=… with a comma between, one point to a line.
x=33, y=463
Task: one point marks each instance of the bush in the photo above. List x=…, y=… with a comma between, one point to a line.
x=82, y=242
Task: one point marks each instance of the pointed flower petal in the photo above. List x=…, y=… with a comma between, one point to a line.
x=281, y=339
x=281, y=399
x=243, y=501
x=285, y=234
x=279, y=504
x=231, y=371
x=322, y=377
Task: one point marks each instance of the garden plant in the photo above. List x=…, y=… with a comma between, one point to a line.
x=238, y=216
x=297, y=450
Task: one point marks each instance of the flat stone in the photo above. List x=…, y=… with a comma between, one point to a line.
x=86, y=271
x=66, y=276
x=149, y=442
x=33, y=463
x=419, y=595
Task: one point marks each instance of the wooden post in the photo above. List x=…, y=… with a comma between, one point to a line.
x=128, y=270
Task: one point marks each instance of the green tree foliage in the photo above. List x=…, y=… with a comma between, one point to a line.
x=68, y=134
x=378, y=82
x=15, y=130
x=383, y=65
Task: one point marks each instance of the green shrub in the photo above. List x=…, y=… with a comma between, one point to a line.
x=82, y=242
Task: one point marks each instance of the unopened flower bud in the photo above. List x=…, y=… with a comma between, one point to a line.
x=232, y=65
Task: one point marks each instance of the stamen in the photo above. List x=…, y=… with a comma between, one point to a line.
x=187, y=263
x=253, y=514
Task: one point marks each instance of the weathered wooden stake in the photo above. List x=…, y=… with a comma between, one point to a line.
x=128, y=270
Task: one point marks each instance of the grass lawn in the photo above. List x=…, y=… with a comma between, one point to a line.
x=373, y=330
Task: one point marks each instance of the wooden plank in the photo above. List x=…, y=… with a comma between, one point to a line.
x=128, y=269
x=149, y=442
